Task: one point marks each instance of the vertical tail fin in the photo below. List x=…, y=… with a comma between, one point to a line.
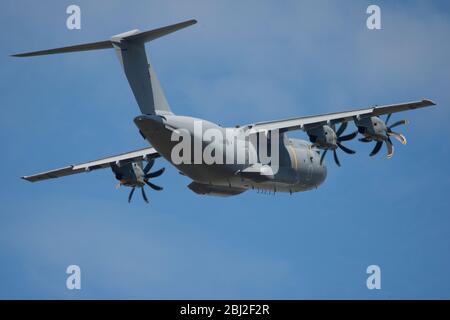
x=130, y=48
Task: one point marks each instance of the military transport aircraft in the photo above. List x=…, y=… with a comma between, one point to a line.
x=301, y=165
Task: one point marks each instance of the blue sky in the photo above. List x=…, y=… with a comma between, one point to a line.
x=243, y=62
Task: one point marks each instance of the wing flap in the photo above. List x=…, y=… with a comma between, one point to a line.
x=138, y=155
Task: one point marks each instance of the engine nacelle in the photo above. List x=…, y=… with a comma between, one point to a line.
x=129, y=174
x=372, y=128
x=323, y=137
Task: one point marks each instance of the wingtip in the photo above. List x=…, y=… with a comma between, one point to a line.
x=190, y=22
x=21, y=55
x=428, y=101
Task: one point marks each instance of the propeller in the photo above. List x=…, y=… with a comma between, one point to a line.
x=147, y=176
x=151, y=175
x=144, y=195
x=131, y=194
x=339, y=139
x=390, y=147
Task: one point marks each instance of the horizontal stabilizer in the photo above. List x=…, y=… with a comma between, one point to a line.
x=151, y=35
x=81, y=47
x=135, y=36
x=130, y=49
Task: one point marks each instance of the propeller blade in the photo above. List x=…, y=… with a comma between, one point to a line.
x=131, y=194
x=144, y=195
x=348, y=137
x=155, y=174
x=342, y=128
x=345, y=149
x=398, y=136
x=322, y=157
x=398, y=123
x=390, y=148
x=377, y=148
x=387, y=118
x=365, y=140
x=153, y=186
x=336, y=158
x=149, y=166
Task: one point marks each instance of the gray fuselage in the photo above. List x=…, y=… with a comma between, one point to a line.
x=299, y=166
